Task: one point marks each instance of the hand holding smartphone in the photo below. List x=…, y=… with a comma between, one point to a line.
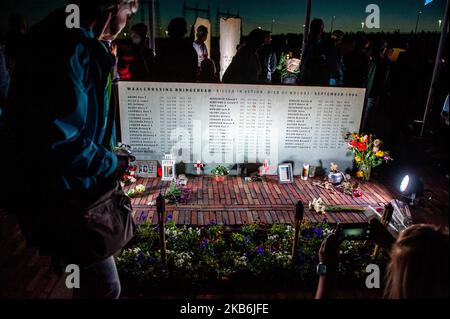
x=360, y=231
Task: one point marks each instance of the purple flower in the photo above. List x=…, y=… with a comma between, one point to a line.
x=260, y=250
x=318, y=232
x=140, y=257
x=169, y=217
x=204, y=243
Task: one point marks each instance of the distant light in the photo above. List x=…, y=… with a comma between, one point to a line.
x=362, y=25
x=405, y=183
x=440, y=22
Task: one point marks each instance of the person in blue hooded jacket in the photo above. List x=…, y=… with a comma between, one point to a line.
x=55, y=129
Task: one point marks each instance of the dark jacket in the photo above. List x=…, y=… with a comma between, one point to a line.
x=245, y=67
x=177, y=61
x=317, y=65
x=54, y=129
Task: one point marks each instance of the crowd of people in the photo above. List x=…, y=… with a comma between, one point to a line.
x=58, y=96
x=395, y=69
x=397, y=80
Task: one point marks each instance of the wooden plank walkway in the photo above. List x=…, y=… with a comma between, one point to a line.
x=236, y=202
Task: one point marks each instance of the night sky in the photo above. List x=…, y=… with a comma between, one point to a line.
x=288, y=15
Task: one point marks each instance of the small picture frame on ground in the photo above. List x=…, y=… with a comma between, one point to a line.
x=285, y=174
x=147, y=169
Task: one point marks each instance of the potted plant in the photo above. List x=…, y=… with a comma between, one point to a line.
x=220, y=172
x=367, y=153
x=177, y=193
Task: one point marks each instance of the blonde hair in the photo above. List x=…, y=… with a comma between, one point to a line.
x=419, y=264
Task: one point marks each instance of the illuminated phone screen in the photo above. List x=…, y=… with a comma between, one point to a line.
x=353, y=232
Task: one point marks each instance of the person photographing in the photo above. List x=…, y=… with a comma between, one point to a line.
x=418, y=266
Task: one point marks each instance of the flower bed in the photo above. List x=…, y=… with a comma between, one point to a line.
x=217, y=259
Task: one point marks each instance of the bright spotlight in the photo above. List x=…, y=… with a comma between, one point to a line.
x=404, y=184
x=411, y=187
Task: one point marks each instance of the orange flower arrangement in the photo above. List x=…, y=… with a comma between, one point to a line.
x=367, y=153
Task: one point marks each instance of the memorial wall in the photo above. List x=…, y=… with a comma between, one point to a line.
x=229, y=124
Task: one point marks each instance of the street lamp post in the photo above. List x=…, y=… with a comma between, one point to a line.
x=306, y=29
x=332, y=23
x=363, y=25
x=437, y=70
x=418, y=19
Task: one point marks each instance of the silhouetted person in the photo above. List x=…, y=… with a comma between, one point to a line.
x=336, y=60
x=356, y=65
x=199, y=44
x=137, y=63
x=177, y=61
x=316, y=66
x=57, y=127
x=376, y=110
x=208, y=72
x=410, y=83
x=267, y=59
x=245, y=67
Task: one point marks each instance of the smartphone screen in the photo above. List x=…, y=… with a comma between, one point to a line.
x=353, y=232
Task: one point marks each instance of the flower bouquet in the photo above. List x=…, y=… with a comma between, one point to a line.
x=367, y=153
x=320, y=207
x=288, y=66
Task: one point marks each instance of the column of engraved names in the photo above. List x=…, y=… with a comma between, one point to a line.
x=299, y=129
x=221, y=127
x=340, y=120
x=264, y=129
x=185, y=126
x=141, y=126
x=324, y=125
x=164, y=138
x=168, y=122
x=247, y=126
x=346, y=120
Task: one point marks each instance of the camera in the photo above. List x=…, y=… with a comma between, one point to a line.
x=361, y=231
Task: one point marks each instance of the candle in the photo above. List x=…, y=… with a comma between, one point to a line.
x=305, y=172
